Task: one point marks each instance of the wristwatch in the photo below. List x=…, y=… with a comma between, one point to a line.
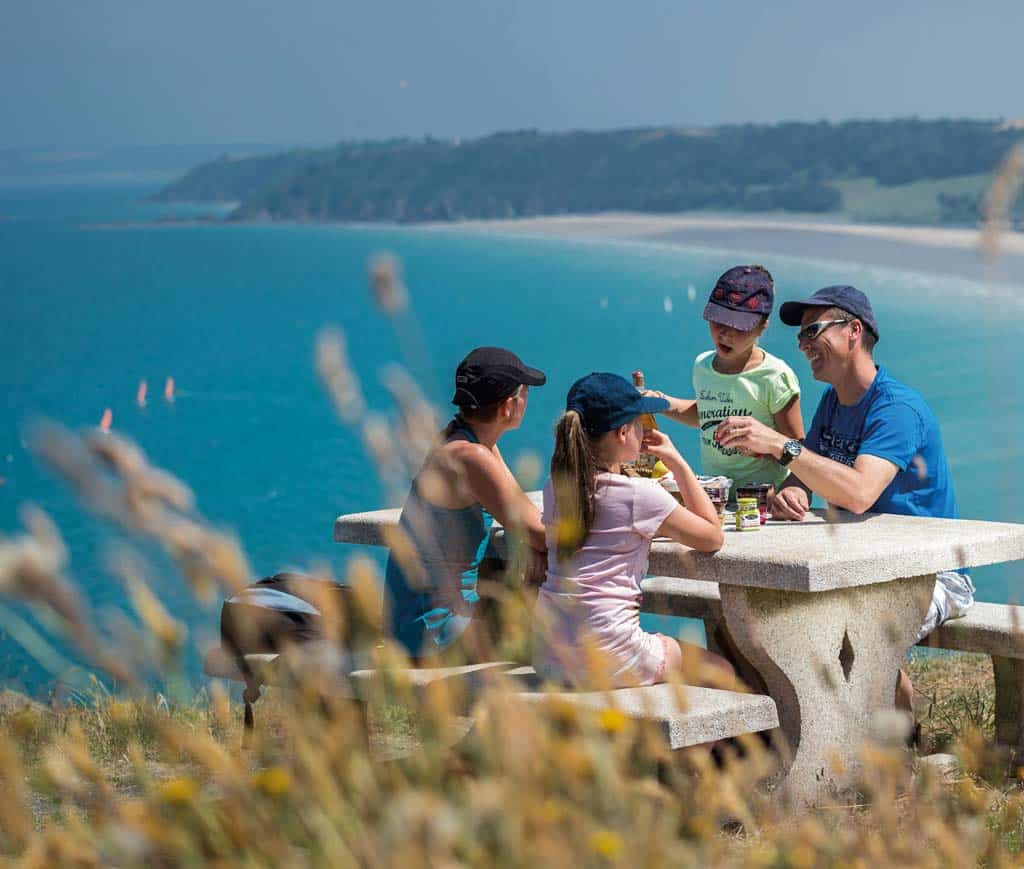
x=790, y=450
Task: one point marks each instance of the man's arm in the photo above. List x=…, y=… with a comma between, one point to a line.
x=852, y=488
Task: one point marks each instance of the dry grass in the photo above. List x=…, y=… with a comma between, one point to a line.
x=132, y=782
x=954, y=695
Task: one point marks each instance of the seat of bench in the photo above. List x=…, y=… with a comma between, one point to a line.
x=708, y=715
x=472, y=676
x=322, y=658
x=993, y=628
x=705, y=715
x=222, y=664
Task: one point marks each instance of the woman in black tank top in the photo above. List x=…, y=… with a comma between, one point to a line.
x=463, y=486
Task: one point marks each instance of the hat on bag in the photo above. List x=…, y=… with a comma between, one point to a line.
x=606, y=401
x=741, y=297
x=490, y=374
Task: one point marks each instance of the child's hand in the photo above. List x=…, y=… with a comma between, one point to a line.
x=657, y=443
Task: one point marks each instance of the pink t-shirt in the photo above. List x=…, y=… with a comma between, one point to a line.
x=597, y=591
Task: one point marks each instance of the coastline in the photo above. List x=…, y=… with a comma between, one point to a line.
x=944, y=251
x=937, y=250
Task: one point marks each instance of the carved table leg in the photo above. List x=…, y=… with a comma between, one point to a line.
x=829, y=659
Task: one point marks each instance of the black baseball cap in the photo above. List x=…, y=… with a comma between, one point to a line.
x=841, y=296
x=490, y=374
x=605, y=401
x=741, y=297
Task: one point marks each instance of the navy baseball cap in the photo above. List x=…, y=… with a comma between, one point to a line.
x=606, y=401
x=490, y=374
x=741, y=297
x=844, y=297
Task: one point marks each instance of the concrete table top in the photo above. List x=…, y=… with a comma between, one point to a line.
x=813, y=555
x=368, y=528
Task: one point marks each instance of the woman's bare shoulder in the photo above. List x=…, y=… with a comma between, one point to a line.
x=471, y=455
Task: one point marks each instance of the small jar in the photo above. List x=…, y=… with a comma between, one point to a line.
x=760, y=491
x=748, y=517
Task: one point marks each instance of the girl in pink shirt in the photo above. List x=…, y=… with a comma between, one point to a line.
x=599, y=525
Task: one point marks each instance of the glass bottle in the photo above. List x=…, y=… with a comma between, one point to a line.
x=645, y=461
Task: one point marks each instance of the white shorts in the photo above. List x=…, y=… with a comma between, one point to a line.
x=952, y=597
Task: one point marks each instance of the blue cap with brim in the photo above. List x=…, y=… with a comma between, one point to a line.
x=844, y=297
x=605, y=401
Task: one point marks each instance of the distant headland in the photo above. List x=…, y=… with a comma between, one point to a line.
x=909, y=171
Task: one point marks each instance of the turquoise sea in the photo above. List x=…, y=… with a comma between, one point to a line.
x=96, y=296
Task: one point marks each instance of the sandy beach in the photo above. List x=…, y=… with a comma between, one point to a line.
x=935, y=250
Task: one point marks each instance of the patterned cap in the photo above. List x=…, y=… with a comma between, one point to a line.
x=743, y=296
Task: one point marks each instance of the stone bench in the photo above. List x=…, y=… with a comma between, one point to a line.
x=697, y=716
x=992, y=629
x=707, y=714
x=222, y=664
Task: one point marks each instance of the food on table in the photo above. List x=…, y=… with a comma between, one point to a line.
x=762, y=492
x=717, y=489
x=748, y=517
x=659, y=470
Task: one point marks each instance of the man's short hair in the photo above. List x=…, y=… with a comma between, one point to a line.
x=867, y=338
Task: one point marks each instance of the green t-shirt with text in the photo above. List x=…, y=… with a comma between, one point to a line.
x=760, y=393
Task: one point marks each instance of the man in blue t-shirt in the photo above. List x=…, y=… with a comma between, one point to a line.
x=874, y=444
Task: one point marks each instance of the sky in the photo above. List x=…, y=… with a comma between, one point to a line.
x=145, y=72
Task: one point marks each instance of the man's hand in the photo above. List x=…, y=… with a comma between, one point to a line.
x=790, y=503
x=750, y=437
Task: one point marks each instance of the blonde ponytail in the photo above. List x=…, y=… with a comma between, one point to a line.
x=574, y=479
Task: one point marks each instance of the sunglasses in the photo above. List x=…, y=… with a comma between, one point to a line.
x=813, y=330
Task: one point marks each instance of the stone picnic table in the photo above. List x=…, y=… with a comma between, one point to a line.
x=825, y=610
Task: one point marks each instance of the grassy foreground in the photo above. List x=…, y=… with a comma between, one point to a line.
x=132, y=782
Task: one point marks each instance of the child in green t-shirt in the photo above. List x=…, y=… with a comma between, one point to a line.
x=738, y=378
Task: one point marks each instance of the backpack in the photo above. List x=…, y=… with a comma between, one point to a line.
x=271, y=615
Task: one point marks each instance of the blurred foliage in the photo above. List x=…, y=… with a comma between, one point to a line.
x=134, y=781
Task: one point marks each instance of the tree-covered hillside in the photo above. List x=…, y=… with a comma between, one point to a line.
x=789, y=166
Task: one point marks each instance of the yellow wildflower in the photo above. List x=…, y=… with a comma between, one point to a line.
x=607, y=843
x=612, y=720
x=178, y=791
x=273, y=781
x=568, y=532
